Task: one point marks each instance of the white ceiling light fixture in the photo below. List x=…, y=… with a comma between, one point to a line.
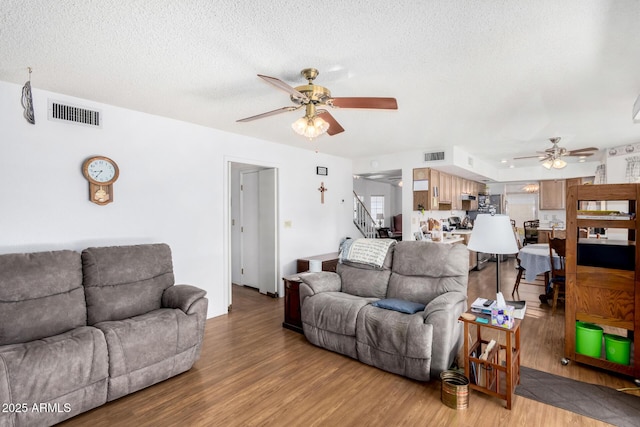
x=635, y=113
x=310, y=126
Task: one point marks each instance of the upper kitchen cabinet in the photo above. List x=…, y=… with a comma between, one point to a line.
x=434, y=190
x=552, y=194
x=426, y=183
x=456, y=185
x=446, y=189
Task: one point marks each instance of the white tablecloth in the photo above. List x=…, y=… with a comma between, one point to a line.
x=535, y=260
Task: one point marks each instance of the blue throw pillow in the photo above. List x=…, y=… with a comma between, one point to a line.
x=402, y=306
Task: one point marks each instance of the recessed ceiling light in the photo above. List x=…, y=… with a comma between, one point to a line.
x=511, y=166
x=503, y=161
x=582, y=160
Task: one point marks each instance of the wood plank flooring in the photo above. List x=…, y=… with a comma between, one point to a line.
x=253, y=372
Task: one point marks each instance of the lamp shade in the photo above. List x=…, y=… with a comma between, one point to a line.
x=493, y=234
x=379, y=216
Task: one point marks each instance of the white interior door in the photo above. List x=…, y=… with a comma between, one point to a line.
x=249, y=229
x=267, y=226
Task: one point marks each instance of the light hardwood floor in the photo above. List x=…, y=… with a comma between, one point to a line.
x=253, y=372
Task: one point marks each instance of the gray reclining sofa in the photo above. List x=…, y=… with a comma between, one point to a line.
x=424, y=284
x=78, y=330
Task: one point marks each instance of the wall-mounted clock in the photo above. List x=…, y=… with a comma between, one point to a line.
x=101, y=172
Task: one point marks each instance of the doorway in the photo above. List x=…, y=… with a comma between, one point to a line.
x=253, y=228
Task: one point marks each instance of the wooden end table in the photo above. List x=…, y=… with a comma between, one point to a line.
x=503, y=364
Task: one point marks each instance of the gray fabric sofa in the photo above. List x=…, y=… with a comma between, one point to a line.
x=80, y=329
x=338, y=311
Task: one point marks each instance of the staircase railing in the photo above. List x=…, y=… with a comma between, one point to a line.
x=363, y=219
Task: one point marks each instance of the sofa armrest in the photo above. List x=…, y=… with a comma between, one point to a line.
x=181, y=296
x=443, y=313
x=315, y=283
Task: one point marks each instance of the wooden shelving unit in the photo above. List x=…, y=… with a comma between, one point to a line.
x=599, y=289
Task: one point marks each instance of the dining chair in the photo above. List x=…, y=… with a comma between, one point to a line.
x=557, y=247
x=521, y=270
x=531, y=231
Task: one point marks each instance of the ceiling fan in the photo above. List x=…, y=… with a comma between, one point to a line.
x=314, y=98
x=552, y=157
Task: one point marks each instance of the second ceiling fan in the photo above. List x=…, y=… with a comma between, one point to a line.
x=552, y=157
x=314, y=98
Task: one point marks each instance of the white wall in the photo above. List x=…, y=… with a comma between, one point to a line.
x=172, y=188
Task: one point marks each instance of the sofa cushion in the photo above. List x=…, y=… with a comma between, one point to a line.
x=329, y=321
x=54, y=368
x=125, y=281
x=41, y=295
x=400, y=305
x=148, y=344
x=363, y=282
x=394, y=341
x=423, y=270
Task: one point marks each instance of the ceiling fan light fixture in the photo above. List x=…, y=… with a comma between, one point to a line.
x=547, y=163
x=559, y=163
x=310, y=127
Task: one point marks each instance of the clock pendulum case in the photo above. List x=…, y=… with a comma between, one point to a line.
x=101, y=172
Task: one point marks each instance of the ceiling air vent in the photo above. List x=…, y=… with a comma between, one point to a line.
x=437, y=155
x=74, y=114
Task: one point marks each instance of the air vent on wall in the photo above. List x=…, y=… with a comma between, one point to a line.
x=74, y=114
x=437, y=155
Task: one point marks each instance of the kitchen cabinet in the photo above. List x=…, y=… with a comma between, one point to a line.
x=456, y=196
x=426, y=183
x=552, y=194
x=445, y=195
x=602, y=275
x=435, y=190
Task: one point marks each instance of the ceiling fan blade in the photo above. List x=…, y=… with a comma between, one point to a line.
x=285, y=87
x=582, y=150
x=574, y=154
x=334, y=126
x=530, y=157
x=379, y=103
x=269, y=113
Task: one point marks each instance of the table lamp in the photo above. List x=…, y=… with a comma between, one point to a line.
x=493, y=234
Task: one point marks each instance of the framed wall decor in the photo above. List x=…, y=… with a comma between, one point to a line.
x=321, y=170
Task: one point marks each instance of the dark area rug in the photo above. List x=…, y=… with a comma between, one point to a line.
x=594, y=401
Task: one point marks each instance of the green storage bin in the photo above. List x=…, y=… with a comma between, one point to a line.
x=617, y=348
x=588, y=339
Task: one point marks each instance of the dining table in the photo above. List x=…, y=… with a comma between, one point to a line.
x=534, y=258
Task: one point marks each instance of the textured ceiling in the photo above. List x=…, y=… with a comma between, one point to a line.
x=496, y=78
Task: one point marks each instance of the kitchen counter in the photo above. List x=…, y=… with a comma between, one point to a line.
x=452, y=239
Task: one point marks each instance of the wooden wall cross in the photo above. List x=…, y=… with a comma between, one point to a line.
x=322, y=189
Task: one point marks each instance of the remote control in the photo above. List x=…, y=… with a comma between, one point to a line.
x=488, y=302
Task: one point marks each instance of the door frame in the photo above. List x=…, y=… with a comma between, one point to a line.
x=227, y=227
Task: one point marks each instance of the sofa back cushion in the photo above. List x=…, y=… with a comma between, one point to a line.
x=125, y=281
x=423, y=270
x=41, y=295
x=365, y=280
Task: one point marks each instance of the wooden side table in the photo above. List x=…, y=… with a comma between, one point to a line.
x=292, y=317
x=329, y=262
x=501, y=371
